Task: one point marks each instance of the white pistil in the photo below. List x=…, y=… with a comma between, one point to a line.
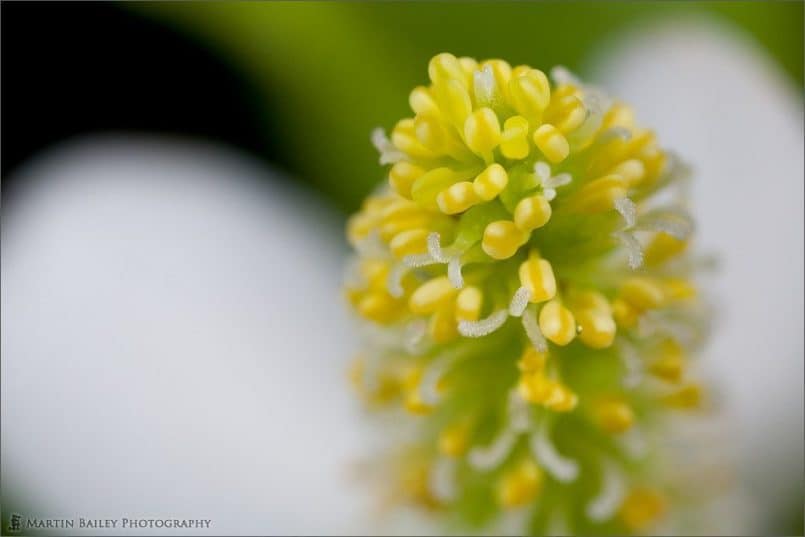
x=435, y=247
x=419, y=260
x=609, y=498
x=389, y=154
x=672, y=221
x=532, y=330
x=486, y=90
x=519, y=413
x=485, y=326
x=442, y=479
x=563, y=469
x=519, y=302
x=628, y=211
x=454, y=272
x=394, y=280
x=414, y=336
x=488, y=457
x=548, y=183
x=561, y=75
x=633, y=248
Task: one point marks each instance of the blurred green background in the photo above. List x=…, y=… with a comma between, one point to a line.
x=325, y=74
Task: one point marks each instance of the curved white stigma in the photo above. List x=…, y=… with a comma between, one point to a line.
x=442, y=479
x=519, y=413
x=485, y=86
x=428, y=386
x=532, y=330
x=633, y=248
x=563, y=469
x=628, y=211
x=454, y=272
x=603, y=506
x=435, y=247
x=487, y=457
x=414, y=335
x=483, y=327
x=561, y=75
x=394, y=280
x=419, y=260
x=675, y=222
x=519, y=302
x=389, y=154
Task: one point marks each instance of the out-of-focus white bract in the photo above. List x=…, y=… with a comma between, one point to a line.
x=174, y=344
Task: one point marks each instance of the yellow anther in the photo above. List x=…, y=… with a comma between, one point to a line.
x=596, y=328
x=624, y=313
x=454, y=439
x=686, y=398
x=566, y=113
x=532, y=212
x=502, y=239
x=662, y=248
x=432, y=295
x=519, y=485
x=491, y=182
x=444, y=68
x=670, y=363
x=529, y=92
x=468, y=66
x=482, y=131
x=654, y=160
x=614, y=416
x=374, y=272
x=599, y=195
x=359, y=226
x=403, y=136
x=379, y=306
x=442, y=327
x=469, y=303
x=428, y=186
x=535, y=387
x=457, y=198
x=392, y=226
x=632, y=171
x=537, y=276
x=412, y=241
x=413, y=400
x=400, y=209
x=431, y=133
x=455, y=102
x=514, y=138
x=402, y=176
x=552, y=143
x=641, y=509
x=422, y=102
x=678, y=289
x=561, y=399
x=532, y=361
x=643, y=293
x=619, y=115
x=586, y=299
x=557, y=323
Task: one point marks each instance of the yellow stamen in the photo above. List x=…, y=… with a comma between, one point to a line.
x=491, y=182
x=432, y=295
x=482, y=132
x=468, y=304
x=502, y=239
x=529, y=92
x=537, y=276
x=552, y=143
x=642, y=508
x=557, y=323
x=514, y=138
x=402, y=176
x=457, y=198
x=532, y=212
x=519, y=485
x=614, y=416
x=454, y=439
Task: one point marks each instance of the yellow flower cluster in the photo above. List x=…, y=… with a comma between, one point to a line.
x=519, y=235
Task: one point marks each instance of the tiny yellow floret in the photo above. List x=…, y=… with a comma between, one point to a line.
x=502, y=239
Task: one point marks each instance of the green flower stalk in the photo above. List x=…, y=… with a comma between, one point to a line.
x=526, y=289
